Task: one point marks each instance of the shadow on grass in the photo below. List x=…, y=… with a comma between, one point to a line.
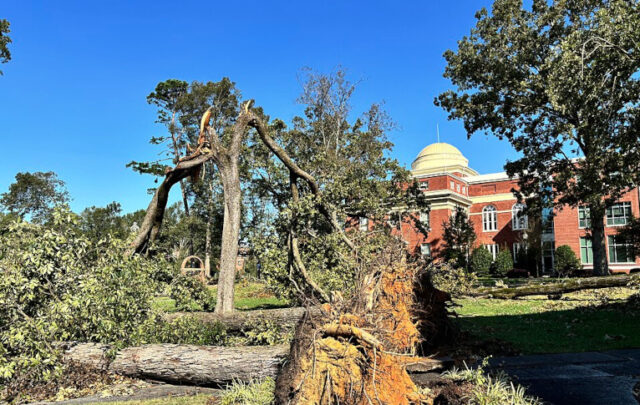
x=603, y=327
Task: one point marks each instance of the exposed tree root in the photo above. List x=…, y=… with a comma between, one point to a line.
x=357, y=352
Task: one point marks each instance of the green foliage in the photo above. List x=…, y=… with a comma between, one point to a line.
x=98, y=223
x=565, y=260
x=34, y=195
x=57, y=286
x=631, y=234
x=481, y=260
x=265, y=332
x=183, y=330
x=350, y=161
x=503, y=263
x=190, y=294
x=5, y=40
x=255, y=393
x=458, y=236
x=450, y=278
x=489, y=389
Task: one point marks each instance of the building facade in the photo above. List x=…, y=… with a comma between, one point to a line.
x=448, y=182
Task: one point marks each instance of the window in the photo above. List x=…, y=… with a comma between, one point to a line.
x=518, y=219
x=458, y=188
x=493, y=249
x=424, y=219
x=424, y=185
x=584, y=218
x=517, y=247
x=586, y=250
x=425, y=250
x=464, y=190
x=619, y=250
x=394, y=219
x=489, y=218
x=618, y=214
x=364, y=224
x=453, y=185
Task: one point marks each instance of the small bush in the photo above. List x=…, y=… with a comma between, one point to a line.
x=566, y=261
x=191, y=295
x=449, y=278
x=255, y=393
x=184, y=330
x=503, y=263
x=481, y=260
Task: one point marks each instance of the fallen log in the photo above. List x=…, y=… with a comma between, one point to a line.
x=200, y=365
x=183, y=364
x=242, y=320
x=561, y=287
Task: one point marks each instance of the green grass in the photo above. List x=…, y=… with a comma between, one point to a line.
x=582, y=321
x=248, y=296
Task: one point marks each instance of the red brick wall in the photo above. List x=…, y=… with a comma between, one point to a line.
x=567, y=231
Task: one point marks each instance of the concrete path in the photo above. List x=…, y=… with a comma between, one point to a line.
x=598, y=378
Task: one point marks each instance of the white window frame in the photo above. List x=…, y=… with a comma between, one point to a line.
x=425, y=250
x=423, y=185
x=586, y=250
x=489, y=219
x=425, y=219
x=363, y=224
x=616, y=220
x=453, y=185
x=517, y=246
x=585, y=221
x=493, y=249
x=612, y=247
x=519, y=221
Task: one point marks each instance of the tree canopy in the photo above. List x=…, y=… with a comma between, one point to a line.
x=34, y=195
x=5, y=40
x=559, y=80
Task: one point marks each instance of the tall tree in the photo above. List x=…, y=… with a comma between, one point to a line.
x=558, y=80
x=458, y=236
x=34, y=195
x=5, y=40
x=99, y=222
x=323, y=171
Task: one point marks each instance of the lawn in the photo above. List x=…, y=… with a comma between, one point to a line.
x=581, y=321
x=248, y=295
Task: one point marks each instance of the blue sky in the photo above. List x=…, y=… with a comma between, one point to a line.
x=72, y=100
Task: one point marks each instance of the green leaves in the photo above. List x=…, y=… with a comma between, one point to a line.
x=5, y=40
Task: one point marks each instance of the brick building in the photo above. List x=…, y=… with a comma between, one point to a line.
x=447, y=180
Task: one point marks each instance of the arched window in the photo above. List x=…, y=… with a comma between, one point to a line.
x=489, y=218
x=518, y=219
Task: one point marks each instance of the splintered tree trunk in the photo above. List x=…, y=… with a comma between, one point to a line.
x=600, y=265
x=230, y=235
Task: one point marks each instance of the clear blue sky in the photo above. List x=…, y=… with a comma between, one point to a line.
x=72, y=100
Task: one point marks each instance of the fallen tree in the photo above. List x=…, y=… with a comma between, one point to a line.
x=561, y=287
x=183, y=364
x=242, y=320
x=199, y=365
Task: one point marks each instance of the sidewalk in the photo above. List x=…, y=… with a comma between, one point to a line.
x=598, y=378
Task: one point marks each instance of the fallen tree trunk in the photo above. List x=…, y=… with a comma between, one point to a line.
x=183, y=364
x=561, y=287
x=200, y=365
x=238, y=321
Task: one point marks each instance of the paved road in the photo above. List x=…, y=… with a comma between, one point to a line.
x=598, y=378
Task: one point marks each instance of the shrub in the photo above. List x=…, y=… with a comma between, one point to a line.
x=190, y=294
x=566, y=261
x=184, y=330
x=503, y=263
x=255, y=393
x=57, y=286
x=481, y=260
x=450, y=278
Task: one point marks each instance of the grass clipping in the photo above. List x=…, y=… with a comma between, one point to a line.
x=358, y=351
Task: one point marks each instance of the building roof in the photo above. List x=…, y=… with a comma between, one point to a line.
x=441, y=158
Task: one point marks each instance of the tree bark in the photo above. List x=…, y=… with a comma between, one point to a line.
x=557, y=288
x=600, y=265
x=152, y=222
x=230, y=235
x=184, y=364
x=236, y=322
